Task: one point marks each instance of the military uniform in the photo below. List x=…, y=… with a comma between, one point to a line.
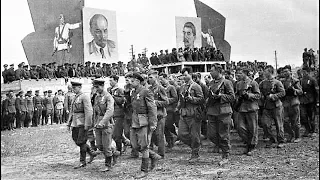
x=48, y=103
x=161, y=100
x=190, y=99
x=291, y=107
x=67, y=103
x=10, y=111
x=219, y=111
x=4, y=74
x=144, y=116
x=21, y=108
x=118, y=116
x=38, y=106
x=103, y=110
x=308, y=101
x=11, y=76
x=26, y=73
x=30, y=111
x=248, y=94
x=81, y=120
x=272, y=90
x=170, y=130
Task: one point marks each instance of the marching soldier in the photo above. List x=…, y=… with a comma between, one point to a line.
x=38, y=106
x=103, y=110
x=144, y=122
x=21, y=108
x=118, y=116
x=59, y=106
x=10, y=109
x=219, y=111
x=291, y=105
x=308, y=101
x=190, y=99
x=272, y=90
x=80, y=120
x=248, y=94
x=161, y=100
x=169, y=129
x=30, y=109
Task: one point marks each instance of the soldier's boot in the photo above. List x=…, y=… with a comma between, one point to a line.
x=93, y=145
x=250, y=149
x=225, y=159
x=144, y=169
x=115, y=156
x=154, y=160
x=108, y=160
x=134, y=154
x=194, y=156
x=92, y=154
x=82, y=160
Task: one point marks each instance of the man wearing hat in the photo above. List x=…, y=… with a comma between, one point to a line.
x=118, y=116
x=308, y=100
x=34, y=73
x=30, y=109
x=21, y=108
x=38, y=105
x=93, y=69
x=48, y=103
x=103, y=111
x=43, y=74
x=19, y=72
x=87, y=69
x=51, y=71
x=11, y=75
x=44, y=109
x=161, y=100
x=247, y=96
x=26, y=73
x=173, y=58
x=10, y=110
x=62, y=41
x=144, y=123
x=4, y=73
x=99, y=71
x=80, y=120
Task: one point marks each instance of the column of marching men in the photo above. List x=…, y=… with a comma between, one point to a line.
x=157, y=110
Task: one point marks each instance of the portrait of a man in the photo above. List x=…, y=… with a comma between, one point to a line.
x=100, y=45
x=189, y=35
x=100, y=35
x=188, y=32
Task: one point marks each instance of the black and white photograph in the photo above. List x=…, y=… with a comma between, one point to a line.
x=159, y=89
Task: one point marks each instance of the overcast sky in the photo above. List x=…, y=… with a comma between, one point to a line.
x=254, y=29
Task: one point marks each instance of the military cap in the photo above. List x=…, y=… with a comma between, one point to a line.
x=154, y=72
x=43, y=64
x=161, y=50
x=19, y=65
x=45, y=91
x=73, y=64
x=30, y=91
x=66, y=64
x=93, y=63
x=11, y=64
x=59, y=90
x=128, y=75
x=20, y=92
x=76, y=83
x=36, y=91
x=54, y=63
x=174, y=49
x=32, y=66
x=49, y=91
x=152, y=53
x=104, y=64
x=246, y=71
x=98, y=63
x=166, y=50
x=98, y=82
x=25, y=66
x=6, y=65
x=137, y=76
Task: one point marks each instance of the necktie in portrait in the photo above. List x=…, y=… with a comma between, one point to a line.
x=102, y=53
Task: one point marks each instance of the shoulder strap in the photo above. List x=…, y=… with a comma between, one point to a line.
x=60, y=33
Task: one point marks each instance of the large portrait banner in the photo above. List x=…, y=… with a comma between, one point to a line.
x=100, y=36
x=188, y=32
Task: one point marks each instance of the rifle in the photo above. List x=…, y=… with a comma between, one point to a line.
x=218, y=91
x=290, y=90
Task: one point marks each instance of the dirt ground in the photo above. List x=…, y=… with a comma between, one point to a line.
x=48, y=152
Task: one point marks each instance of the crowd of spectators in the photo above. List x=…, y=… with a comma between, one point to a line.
x=52, y=71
